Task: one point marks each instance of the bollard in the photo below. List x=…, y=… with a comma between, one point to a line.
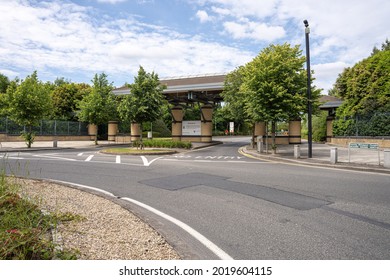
x=259, y=144
x=333, y=155
x=297, y=151
x=386, y=162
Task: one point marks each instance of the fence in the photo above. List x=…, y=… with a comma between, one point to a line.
x=46, y=127
x=377, y=124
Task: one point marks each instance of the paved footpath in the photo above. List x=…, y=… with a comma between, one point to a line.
x=359, y=159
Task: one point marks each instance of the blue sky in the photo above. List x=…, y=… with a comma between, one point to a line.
x=76, y=39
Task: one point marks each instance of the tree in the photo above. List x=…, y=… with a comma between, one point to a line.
x=274, y=84
x=144, y=101
x=66, y=98
x=4, y=83
x=98, y=106
x=28, y=103
x=365, y=89
x=234, y=98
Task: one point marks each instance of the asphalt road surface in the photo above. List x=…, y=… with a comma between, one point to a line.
x=215, y=203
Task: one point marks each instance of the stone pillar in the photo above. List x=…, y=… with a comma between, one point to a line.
x=92, y=131
x=294, y=136
x=329, y=128
x=206, y=129
x=135, y=132
x=259, y=129
x=177, y=119
x=112, y=130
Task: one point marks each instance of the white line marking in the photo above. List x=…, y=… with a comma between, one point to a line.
x=89, y=158
x=118, y=159
x=146, y=162
x=80, y=154
x=81, y=186
x=201, y=238
x=53, y=157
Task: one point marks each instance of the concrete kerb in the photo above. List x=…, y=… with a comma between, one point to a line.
x=247, y=151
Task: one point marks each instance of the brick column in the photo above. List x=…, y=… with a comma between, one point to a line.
x=177, y=119
x=112, y=130
x=294, y=135
x=206, y=128
x=135, y=132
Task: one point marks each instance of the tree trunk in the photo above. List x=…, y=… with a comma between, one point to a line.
x=96, y=135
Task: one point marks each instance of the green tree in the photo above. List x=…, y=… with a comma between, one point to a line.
x=234, y=98
x=66, y=98
x=144, y=101
x=274, y=84
x=98, y=106
x=28, y=103
x=365, y=89
x=4, y=83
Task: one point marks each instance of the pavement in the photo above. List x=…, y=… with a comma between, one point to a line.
x=354, y=159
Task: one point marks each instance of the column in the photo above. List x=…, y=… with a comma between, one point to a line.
x=206, y=128
x=329, y=128
x=92, y=131
x=112, y=130
x=294, y=129
x=177, y=119
x=135, y=132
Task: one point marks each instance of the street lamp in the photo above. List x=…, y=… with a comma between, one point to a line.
x=309, y=109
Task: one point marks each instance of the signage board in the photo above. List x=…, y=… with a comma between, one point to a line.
x=191, y=128
x=231, y=127
x=373, y=146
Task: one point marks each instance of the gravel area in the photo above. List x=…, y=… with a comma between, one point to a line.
x=103, y=230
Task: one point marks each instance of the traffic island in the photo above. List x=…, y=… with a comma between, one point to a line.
x=137, y=152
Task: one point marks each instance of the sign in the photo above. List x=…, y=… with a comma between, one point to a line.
x=231, y=127
x=191, y=128
x=373, y=146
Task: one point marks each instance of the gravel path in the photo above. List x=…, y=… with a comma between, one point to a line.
x=104, y=230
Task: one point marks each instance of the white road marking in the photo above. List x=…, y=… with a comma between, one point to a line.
x=89, y=158
x=146, y=162
x=118, y=159
x=80, y=154
x=195, y=234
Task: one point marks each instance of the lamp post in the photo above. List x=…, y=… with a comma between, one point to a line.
x=309, y=109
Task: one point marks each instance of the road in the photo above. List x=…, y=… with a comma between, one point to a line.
x=244, y=208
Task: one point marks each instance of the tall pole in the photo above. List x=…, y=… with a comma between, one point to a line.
x=309, y=109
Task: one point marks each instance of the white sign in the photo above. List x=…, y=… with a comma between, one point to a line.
x=231, y=130
x=191, y=128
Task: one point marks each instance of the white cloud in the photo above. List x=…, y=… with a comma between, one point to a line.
x=327, y=73
x=111, y=1
x=254, y=30
x=56, y=37
x=203, y=16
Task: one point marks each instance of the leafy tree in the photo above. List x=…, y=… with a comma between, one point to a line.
x=98, y=106
x=28, y=102
x=274, y=84
x=145, y=100
x=234, y=98
x=4, y=83
x=365, y=89
x=66, y=98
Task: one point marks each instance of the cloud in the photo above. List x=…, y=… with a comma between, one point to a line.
x=327, y=73
x=254, y=30
x=203, y=16
x=63, y=37
x=111, y=1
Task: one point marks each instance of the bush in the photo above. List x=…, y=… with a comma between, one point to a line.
x=164, y=143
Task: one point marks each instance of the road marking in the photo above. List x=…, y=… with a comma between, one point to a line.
x=89, y=158
x=146, y=162
x=118, y=159
x=54, y=157
x=195, y=234
x=80, y=154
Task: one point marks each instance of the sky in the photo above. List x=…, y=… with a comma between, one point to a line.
x=76, y=39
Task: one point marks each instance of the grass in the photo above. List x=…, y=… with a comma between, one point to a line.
x=154, y=147
x=25, y=232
